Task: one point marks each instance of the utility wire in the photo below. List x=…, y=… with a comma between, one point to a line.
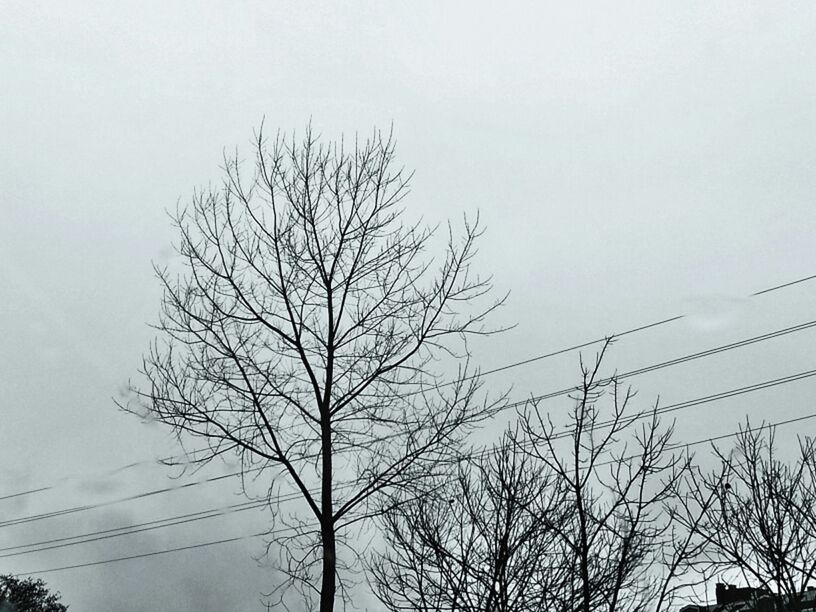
x=240, y=507
x=625, y=421
x=712, y=439
x=148, y=554
x=508, y=366
x=795, y=282
x=696, y=402
x=676, y=361
x=569, y=349
x=74, y=509
x=114, y=532
x=537, y=398
x=255, y=535
x=628, y=332
x=534, y=399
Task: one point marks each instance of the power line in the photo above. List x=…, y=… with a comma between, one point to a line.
x=75, y=509
x=747, y=430
x=684, y=359
x=791, y=283
x=676, y=361
x=711, y=439
x=626, y=421
x=114, y=532
x=546, y=396
x=148, y=554
x=503, y=368
x=205, y=514
x=633, y=330
x=574, y=347
x=255, y=535
x=561, y=392
x=696, y=402
x=116, y=470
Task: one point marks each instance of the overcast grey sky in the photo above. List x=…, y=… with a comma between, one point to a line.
x=631, y=161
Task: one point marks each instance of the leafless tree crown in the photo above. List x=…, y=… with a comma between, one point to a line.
x=537, y=525
x=304, y=330
x=757, y=522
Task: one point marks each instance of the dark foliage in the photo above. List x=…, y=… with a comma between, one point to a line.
x=28, y=595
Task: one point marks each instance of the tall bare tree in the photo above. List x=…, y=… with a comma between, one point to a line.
x=304, y=332
x=761, y=525
x=536, y=525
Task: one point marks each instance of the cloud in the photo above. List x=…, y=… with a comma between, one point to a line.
x=714, y=312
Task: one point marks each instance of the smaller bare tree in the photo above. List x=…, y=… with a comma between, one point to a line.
x=475, y=543
x=761, y=524
x=533, y=526
x=619, y=477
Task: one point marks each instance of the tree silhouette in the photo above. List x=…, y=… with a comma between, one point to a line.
x=475, y=542
x=760, y=524
x=536, y=525
x=27, y=595
x=304, y=331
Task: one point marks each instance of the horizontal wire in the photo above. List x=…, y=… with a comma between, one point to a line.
x=509, y=366
x=561, y=392
x=83, y=508
x=264, y=533
x=104, y=534
x=148, y=554
x=205, y=514
x=696, y=402
x=676, y=361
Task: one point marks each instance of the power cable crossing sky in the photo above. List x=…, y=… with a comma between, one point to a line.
x=181, y=519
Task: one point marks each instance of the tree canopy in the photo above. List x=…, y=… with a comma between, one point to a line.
x=28, y=595
x=304, y=331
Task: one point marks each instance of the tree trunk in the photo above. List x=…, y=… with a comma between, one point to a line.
x=327, y=587
x=327, y=535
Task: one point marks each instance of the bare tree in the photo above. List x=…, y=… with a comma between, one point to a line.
x=475, y=543
x=534, y=525
x=620, y=475
x=761, y=525
x=304, y=333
